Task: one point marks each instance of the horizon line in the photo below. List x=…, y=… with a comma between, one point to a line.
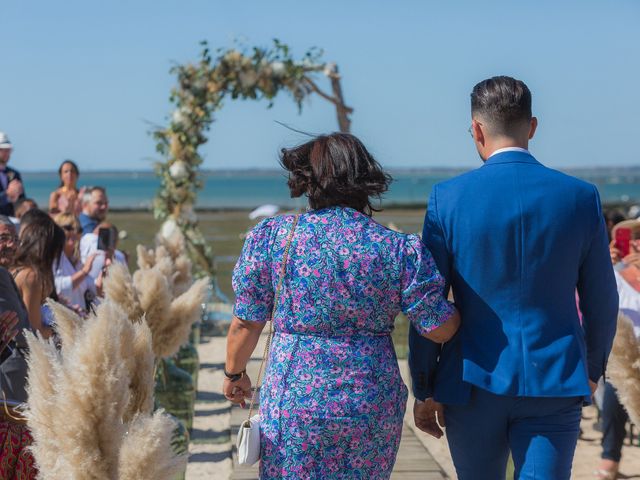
x=276, y=170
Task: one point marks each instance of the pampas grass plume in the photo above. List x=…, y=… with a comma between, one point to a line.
x=44, y=371
x=155, y=300
x=624, y=367
x=89, y=408
x=183, y=313
x=92, y=395
x=118, y=288
x=146, y=258
x=68, y=323
x=143, y=454
x=140, y=363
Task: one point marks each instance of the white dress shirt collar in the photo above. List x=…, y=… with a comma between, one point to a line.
x=509, y=149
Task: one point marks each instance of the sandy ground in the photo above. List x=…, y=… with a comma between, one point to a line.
x=210, y=446
x=586, y=457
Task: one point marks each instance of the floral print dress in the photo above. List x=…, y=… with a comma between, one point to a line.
x=332, y=402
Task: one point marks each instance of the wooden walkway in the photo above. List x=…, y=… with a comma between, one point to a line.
x=414, y=462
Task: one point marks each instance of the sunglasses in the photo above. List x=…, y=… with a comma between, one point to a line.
x=70, y=228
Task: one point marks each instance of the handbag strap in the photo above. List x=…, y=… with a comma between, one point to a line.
x=267, y=345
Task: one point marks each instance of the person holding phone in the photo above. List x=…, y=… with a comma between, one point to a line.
x=102, y=242
x=625, y=256
x=74, y=285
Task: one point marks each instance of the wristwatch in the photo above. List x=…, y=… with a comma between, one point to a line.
x=234, y=377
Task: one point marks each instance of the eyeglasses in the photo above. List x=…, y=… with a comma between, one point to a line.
x=470, y=129
x=70, y=228
x=8, y=238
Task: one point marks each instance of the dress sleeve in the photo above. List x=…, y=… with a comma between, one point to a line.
x=251, y=280
x=423, y=298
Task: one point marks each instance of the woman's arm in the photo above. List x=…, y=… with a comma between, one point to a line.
x=31, y=288
x=242, y=339
x=53, y=202
x=78, y=277
x=447, y=330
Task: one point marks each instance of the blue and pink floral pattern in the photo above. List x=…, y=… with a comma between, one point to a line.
x=333, y=401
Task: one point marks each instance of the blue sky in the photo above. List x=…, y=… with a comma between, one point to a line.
x=82, y=80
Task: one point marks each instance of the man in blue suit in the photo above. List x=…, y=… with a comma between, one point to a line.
x=515, y=241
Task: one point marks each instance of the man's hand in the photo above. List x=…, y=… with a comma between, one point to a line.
x=593, y=386
x=429, y=417
x=14, y=190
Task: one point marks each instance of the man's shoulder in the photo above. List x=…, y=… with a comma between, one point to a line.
x=481, y=176
x=458, y=181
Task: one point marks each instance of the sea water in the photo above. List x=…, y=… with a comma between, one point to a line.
x=249, y=189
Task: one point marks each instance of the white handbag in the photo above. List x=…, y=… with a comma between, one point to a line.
x=248, y=440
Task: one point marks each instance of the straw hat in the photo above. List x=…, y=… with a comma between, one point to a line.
x=4, y=141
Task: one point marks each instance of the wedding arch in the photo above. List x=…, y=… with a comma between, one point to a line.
x=257, y=73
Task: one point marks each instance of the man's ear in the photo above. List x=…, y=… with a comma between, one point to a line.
x=478, y=134
x=532, y=128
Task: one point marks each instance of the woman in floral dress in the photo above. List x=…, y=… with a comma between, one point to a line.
x=332, y=402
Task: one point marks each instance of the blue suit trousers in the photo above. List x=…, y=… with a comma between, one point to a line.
x=540, y=433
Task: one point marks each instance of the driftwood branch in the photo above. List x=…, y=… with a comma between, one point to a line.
x=337, y=99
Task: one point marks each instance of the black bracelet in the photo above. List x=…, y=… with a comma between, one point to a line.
x=234, y=377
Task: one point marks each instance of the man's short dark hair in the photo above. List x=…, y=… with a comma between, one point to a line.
x=503, y=102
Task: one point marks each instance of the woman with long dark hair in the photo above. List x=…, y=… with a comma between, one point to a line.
x=41, y=243
x=332, y=280
x=67, y=198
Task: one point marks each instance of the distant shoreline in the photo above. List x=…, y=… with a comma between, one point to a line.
x=603, y=169
x=394, y=206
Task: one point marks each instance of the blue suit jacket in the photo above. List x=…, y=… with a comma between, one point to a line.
x=515, y=240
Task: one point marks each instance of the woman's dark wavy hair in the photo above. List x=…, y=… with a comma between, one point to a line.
x=41, y=243
x=335, y=170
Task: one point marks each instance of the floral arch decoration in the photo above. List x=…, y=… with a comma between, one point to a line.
x=256, y=74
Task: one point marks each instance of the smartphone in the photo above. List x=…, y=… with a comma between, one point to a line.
x=623, y=240
x=106, y=239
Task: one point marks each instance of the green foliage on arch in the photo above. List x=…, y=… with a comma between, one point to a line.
x=256, y=73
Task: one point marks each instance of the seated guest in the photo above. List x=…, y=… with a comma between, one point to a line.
x=67, y=198
x=8, y=241
x=613, y=415
x=95, y=206
x=23, y=205
x=73, y=283
x=13, y=365
x=41, y=243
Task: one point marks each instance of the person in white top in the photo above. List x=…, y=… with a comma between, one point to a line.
x=613, y=415
x=74, y=285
